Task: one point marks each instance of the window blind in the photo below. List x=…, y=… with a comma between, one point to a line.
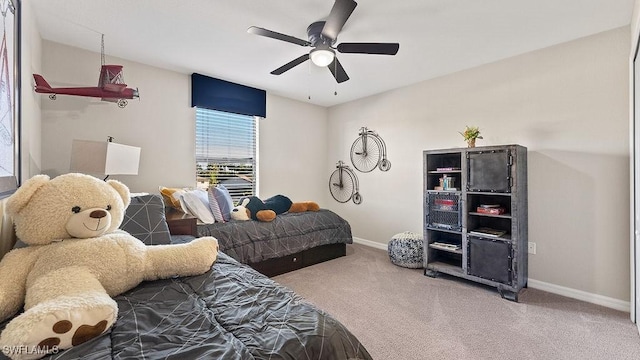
x=226, y=151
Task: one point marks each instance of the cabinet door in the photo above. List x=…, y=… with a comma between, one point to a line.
x=443, y=211
x=490, y=259
x=489, y=171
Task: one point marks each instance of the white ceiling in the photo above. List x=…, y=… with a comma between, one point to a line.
x=436, y=37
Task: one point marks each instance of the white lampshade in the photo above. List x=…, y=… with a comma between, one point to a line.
x=104, y=158
x=322, y=57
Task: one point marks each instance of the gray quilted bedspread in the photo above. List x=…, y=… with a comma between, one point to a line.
x=232, y=312
x=254, y=241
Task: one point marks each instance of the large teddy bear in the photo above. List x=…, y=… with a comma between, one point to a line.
x=251, y=207
x=76, y=261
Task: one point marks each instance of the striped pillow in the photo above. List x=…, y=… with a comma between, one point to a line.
x=215, y=208
x=221, y=194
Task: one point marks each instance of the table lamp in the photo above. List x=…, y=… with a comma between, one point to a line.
x=104, y=158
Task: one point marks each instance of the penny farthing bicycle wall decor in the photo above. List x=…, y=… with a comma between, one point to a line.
x=369, y=151
x=343, y=184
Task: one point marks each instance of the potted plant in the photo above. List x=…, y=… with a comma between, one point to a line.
x=470, y=134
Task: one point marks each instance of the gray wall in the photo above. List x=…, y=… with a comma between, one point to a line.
x=568, y=104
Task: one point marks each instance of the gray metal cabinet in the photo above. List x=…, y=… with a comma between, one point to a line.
x=475, y=215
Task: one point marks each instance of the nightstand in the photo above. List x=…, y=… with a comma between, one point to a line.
x=181, y=223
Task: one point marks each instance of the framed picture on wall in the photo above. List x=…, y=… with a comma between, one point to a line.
x=9, y=96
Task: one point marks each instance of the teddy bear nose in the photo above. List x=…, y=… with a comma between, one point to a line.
x=97, y=214
x=234, y=210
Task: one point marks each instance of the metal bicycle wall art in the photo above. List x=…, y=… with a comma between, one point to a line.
x=369, y=151
x=343, y=184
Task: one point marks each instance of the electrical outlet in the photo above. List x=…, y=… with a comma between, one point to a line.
x=532, y=248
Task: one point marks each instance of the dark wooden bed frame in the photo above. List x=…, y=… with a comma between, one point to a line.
x=182, y=224
x=281, y=265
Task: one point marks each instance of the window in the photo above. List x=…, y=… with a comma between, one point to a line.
x=226, y=151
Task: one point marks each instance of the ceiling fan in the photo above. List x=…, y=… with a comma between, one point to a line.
x=322, y=37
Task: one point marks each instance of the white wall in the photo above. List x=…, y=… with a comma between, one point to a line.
x=568, y=104
x=30, y=140
x=162, y=123
x=293, y=150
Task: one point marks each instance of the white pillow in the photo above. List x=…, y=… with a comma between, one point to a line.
x=195, y=206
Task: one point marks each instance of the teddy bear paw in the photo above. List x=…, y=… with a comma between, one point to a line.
x=35, y=333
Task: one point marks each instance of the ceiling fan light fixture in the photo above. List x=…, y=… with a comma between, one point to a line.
x=322, y=57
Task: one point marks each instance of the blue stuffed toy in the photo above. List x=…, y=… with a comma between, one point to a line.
x=251, y=207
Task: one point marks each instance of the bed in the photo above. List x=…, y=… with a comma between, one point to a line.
x=290, y=242
x=230, y=312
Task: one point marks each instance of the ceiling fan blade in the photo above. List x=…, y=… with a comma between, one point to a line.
x=290, y=65
x=278, y=36
x=339, y=14
x=369, y=48
x=338, y=71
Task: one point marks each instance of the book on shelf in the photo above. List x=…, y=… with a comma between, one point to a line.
x=447, y=169
x=486, y=231
x=492, y=211
x=489, y=206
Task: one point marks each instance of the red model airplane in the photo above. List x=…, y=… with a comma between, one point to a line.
x=110, y=87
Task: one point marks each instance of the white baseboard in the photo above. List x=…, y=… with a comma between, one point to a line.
x=370, y=243
x=581, y=295
x=541, y=285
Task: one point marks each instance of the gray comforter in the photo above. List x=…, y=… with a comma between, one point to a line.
x=231, y=312
x=254, y=241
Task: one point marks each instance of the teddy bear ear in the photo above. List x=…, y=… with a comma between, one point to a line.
x=21, y=197
x=123, y=190
x=244, y=202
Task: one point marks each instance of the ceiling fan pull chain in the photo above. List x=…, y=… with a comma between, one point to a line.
x=335, y=85
x=309, y=80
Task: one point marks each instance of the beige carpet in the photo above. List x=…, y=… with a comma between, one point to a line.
x=399, y=313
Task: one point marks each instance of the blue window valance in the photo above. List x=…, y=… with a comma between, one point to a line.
x=216, y=94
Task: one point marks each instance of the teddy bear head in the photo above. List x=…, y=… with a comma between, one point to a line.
x=72, y=205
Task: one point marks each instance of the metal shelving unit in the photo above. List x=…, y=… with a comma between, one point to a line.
x=459, y=184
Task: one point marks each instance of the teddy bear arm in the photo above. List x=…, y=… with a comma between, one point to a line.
x=193, y=258
x=14, y=269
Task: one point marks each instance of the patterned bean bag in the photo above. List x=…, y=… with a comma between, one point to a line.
x=406, y=250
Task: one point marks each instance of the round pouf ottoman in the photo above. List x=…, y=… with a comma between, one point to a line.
x=406, y=250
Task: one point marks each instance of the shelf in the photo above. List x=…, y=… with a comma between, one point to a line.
x=471, y=192
x=444, y=172
x=504, y=216
x=444, y=229
x=445, y=268
x=505, y=237
x=478, y=178
x=454, y=251
x=445, y=191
